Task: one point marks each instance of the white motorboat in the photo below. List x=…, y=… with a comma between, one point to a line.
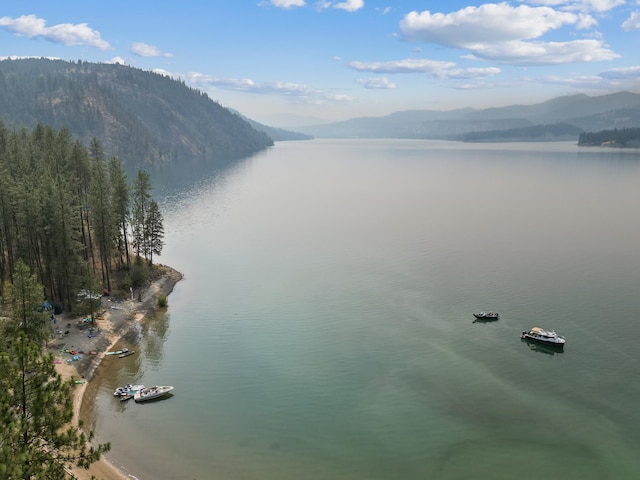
x=547, y=337
x=150, y=393
x=128, y=389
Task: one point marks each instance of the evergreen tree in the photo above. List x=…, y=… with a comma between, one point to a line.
x=120, y=205
x=36, y=408
x=26, y=300
x=102, y=215
x=141, y=199
x=154, y=230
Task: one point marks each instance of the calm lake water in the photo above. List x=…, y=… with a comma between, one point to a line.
x=324, y=328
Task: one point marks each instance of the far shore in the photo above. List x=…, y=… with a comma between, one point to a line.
x=116, y=318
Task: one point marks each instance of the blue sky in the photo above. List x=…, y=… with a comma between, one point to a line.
x=291, y=62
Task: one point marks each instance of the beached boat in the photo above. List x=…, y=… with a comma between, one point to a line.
x=128, y=389
x=118, y=352
x=126, y=354
x=486, y=315
x=546, y=337
x=151, y=392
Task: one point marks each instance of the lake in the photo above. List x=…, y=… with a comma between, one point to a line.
x=324, y=327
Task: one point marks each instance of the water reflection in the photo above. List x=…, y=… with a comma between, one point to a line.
x=154, y=334
x=541, y=348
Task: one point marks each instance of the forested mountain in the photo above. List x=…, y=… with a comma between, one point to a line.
x=141, y=117
x=626, y=137
x=581, y=112
x=536, y=133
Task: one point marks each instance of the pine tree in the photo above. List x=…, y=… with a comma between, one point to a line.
x=141, y=199
x=26, y=300
x=120, y=204
x=154, y=230
x=36, y=408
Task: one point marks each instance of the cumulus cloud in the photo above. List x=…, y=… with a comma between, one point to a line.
x=64, y=33
x=145, y=50
x=486, y=24
x=378, y=83
x=504, y=33
x=408, y=65
x=349, y=5
x=633, y=22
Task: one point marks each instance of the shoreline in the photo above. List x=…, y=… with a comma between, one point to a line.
x=117, y=318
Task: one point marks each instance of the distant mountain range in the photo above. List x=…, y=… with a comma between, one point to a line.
x=141, y=117
x=147, y=119
x=561, y=118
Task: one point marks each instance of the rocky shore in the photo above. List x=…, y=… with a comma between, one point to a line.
x=115, y=319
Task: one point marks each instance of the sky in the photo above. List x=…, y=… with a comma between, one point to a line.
x=300, y=62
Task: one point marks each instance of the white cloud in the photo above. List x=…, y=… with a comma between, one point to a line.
x=117, y=60
x=625, y=73
x=65, y=33
x=503, y=33
x=633, y=22
x=468, y=73
x=545, y=53
x=348, y=5
x=579, y=5
x=145, y=50
x=487, y=24
x=408, y=65
x=293, y=91
x=378, y=83
x=285, y=3
x=593, y=82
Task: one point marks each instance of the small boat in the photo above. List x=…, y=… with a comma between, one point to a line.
x=150, y=393
x=126, y=354
x=118, y=352
x=128, y=389
x=546, y=337
x=486, y=315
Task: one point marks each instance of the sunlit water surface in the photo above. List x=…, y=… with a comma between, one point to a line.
x=324, y=327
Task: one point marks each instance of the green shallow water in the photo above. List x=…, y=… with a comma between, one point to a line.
x=324, y=331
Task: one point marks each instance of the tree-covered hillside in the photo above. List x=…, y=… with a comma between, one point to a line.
x=624, y=137
x=535, y=133
x=141, y=117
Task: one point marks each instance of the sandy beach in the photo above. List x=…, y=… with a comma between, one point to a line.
x=116, y=317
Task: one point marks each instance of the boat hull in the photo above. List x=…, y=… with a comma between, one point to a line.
x=486, y=316
x=544, y=337
x=151, y=393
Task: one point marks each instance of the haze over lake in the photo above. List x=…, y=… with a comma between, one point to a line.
x=324, y=327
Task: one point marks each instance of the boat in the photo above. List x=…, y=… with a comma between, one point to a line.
x=126, y=354
x=151, y=393
x=546, y=337
x=486, y=315
x=128, y=389
x=118, y=352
